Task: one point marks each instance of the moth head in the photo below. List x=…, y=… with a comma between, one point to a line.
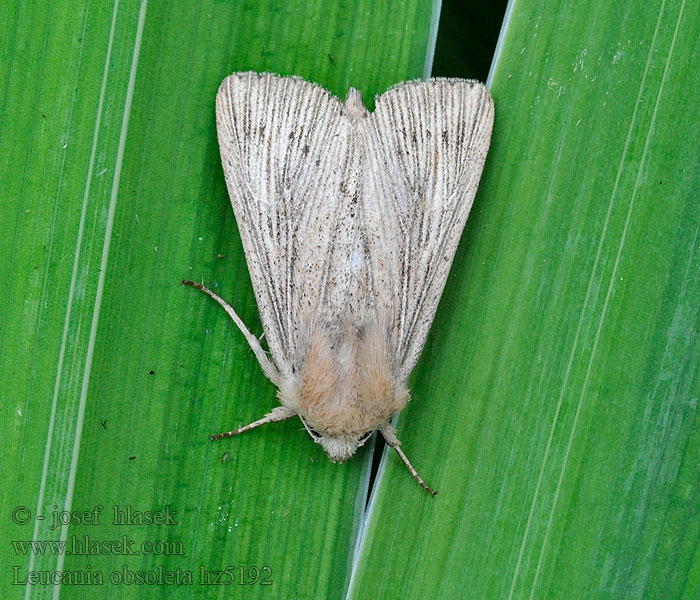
x=338, y=448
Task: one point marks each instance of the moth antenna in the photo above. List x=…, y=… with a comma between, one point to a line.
x=268, y=367
x=391, y=439
x=279, y=413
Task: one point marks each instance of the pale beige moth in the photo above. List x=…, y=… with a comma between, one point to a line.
x=349, y=221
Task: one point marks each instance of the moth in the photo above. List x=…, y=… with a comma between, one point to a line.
x=349, y=222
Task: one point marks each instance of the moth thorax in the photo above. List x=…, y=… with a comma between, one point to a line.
x=346, y=384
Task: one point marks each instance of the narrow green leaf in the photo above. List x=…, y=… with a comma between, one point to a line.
x=556, y=405
x=114, y=375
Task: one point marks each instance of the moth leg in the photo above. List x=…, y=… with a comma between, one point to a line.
x=266, y=364
x=390, y=436
x=279, y=413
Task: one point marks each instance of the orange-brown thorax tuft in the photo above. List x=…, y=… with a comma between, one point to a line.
x=346, y=383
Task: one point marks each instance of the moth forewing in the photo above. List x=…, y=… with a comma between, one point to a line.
x=349, y=222
x=428, y=145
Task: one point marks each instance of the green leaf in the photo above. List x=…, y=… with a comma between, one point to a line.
x=113, y=374
x=556, y=404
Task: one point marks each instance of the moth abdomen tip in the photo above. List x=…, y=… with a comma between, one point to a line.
x=354, y=104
